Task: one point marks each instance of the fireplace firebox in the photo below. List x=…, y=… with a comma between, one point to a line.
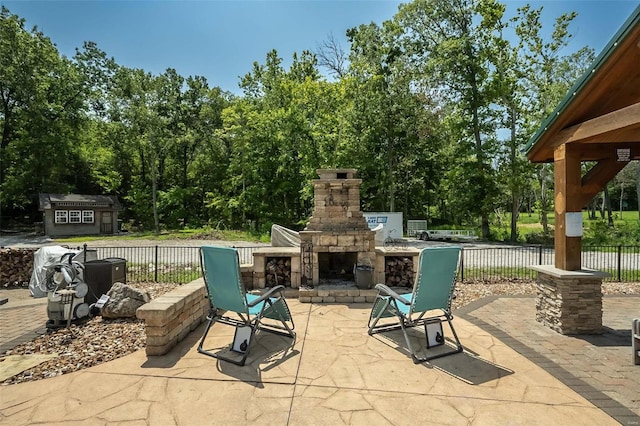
x=336, y=266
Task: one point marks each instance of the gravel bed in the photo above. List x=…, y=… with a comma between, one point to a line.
x=96, y=340
x=84, y=345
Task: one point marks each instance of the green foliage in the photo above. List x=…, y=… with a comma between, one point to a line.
x=139, y=201
x=625, y=231
x=538, y=237
x=599, y=233
x=41, y=116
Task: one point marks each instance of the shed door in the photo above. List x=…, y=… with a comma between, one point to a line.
x=106, y=224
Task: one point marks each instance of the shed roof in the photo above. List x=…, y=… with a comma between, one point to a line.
x=602, y=109
x=46, y=201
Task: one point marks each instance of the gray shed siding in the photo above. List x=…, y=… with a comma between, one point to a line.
x=105, y=214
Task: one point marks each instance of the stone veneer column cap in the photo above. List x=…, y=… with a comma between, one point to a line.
x=564, y=274
x=333, y=173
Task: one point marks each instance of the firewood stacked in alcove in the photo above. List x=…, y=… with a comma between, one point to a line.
x=278, y=271
x=17, y=265
x=398, y=271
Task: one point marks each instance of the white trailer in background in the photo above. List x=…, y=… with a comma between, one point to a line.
x=415, y=226
x=391, y=222
x=446, y=235
x=418, y=229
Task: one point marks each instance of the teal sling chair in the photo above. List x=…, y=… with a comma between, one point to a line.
x=432, y=293
x=227, y=295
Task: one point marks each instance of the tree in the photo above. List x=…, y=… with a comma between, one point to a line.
x=451, y=44
x=270, y=131
x=147, y=112
x=516, y=96
x=546, y=78
x=626, y=178
x=200, y=118
x=43, y=115
x=391, y=123
x=638, y=189
x=331, y=56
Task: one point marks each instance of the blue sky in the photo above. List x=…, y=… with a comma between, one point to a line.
x=221, y=39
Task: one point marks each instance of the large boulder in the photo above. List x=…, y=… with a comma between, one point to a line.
x=123, y=301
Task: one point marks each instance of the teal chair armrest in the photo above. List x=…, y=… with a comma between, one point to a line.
x=265, y=296
x=388, y=292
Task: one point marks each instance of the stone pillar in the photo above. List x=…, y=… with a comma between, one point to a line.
x=259, y=275
x=569, y=302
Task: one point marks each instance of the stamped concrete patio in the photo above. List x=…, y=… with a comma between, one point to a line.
x=334, y=373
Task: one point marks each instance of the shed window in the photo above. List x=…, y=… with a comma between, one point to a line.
x=62, y=216
x=87, y=216
x=74, y=216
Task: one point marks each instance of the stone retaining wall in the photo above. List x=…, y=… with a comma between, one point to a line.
x=172, y=316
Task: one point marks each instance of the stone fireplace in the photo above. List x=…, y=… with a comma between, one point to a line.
x=337, y=236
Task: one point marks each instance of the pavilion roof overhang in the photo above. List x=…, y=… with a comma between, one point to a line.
x=601, y=112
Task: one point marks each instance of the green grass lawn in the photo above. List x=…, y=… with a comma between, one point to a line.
x=534, y=218
x=182, y=234
x=625, y=230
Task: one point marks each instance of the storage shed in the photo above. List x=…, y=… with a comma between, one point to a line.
x=78, y=214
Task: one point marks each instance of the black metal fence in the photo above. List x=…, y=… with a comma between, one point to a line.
x=621, y=262
x=181, y=264
x=165, y=264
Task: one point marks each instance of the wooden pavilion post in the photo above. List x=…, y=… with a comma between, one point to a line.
x=568, y=199
x=569, y=299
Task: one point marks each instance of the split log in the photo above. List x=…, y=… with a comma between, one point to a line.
x=278, y=271
x=399, y=271
x=17, y=266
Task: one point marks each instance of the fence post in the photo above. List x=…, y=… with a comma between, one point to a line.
x=155, y=269
x=619, y=263
x=540, y=254
x=462, y=264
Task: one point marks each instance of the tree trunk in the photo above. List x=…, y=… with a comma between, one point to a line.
x=485, y=226
x=484, y=216
x=143, y=164
x=6, y=136
x=544, y=208
x=515, y=204
x=185, y=184
x=6, y=125
x=154, y=191
x=621, y=198
x=515, y=207
x=638, y=191
x=594, y=210
x=607, y=204
x=390, y=169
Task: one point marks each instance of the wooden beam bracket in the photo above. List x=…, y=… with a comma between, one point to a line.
x=625, y=117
